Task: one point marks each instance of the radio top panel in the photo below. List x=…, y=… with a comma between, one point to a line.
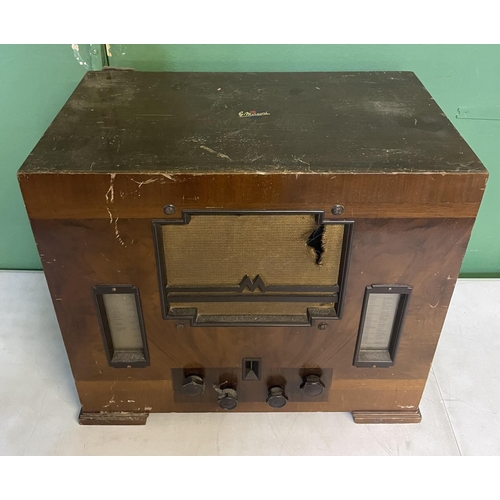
x=127, y=121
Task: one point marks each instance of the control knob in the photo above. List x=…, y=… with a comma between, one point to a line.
x=193, y=386
x=228, y=399
x=312, y=385
x=276, y=397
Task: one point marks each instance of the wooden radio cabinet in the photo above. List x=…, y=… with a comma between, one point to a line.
x=251, y=241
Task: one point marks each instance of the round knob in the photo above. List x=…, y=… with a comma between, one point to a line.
x=193, y=386
x=312, y=385
x=228, y=399
x=276, y=397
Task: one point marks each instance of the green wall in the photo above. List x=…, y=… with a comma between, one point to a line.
x=35, y=81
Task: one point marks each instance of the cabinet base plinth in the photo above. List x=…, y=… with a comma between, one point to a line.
x=112, y=418
x=387, y=417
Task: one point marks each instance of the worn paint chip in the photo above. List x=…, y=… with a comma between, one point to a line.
x=220, y=155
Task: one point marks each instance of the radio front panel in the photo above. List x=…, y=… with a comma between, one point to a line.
x=284, y=355
x=251, y=275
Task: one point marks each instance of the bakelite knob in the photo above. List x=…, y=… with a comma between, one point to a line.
x=312, y=385
x=228, y=399
x=276, y=397
x=193, y=386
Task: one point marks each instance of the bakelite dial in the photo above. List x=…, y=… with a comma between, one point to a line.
x=228, y=399
x=276, y=397
x=312, y=385
x=193, y=386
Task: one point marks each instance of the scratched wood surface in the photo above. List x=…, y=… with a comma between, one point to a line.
x=139, y=195
x=309, y=122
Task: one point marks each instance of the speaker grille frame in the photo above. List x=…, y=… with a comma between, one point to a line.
x=336, y=292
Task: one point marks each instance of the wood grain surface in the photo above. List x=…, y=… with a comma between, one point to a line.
x=139, y=195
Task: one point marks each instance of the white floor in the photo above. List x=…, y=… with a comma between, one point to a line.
x=39, y=404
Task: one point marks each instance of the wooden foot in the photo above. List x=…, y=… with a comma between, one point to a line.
x=387, y=417
x=112, y=418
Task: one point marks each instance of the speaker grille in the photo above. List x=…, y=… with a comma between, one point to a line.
x=250, y=268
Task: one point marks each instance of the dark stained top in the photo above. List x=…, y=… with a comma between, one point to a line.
x=128, y=121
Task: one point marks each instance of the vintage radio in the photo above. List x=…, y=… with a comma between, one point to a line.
x=251, y=241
